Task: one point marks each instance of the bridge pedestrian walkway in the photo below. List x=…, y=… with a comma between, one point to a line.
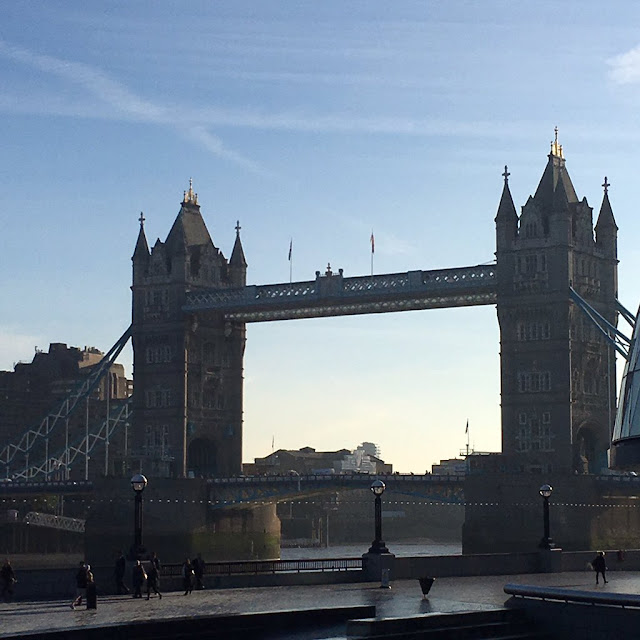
x=404, y=598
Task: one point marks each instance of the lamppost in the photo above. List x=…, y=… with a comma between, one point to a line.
x=545, y=491
x=378, y=546
x=138, y=483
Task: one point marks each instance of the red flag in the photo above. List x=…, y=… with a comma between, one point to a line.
x=373, y=243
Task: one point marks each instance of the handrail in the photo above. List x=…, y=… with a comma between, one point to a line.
x=254, y=567
x=572, y=595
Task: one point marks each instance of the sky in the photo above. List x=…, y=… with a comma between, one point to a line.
x=314, y=123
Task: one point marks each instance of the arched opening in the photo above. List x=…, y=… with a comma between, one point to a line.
x=201, y=458
x=585, y=452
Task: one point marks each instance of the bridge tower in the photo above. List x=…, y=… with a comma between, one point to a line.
x=188, y=369
x=558, y=382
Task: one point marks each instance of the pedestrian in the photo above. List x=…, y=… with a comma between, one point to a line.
x=599, y=566
x=91, y=589
x=81, y=585
x=198, y=570
x=8, y=579
x=155, y=561
x=118, y=572
x=152, y=580
x=138, y=576
x=187, y=576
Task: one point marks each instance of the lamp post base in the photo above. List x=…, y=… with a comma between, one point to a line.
x=547, y=543
x=378, y=546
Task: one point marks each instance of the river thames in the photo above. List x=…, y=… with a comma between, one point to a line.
x=354, y=550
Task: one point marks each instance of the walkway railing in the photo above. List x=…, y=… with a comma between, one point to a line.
x=269, y=566
x=559, y=594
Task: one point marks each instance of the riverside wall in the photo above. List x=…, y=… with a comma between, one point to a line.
x=44, y=584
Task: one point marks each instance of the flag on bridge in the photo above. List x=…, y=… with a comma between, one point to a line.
x=290, y=248
x=373, y=243
x=467, y=427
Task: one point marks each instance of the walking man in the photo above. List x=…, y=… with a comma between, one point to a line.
x=81, y=585
x=152, y=580
x=599, y=566
x=8, y=579
x=119, y=571
x=198, y=570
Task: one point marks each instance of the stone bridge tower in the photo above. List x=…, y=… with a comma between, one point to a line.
x=558, y=382
x=188, y=370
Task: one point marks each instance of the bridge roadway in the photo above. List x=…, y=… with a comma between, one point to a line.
x=332, y=294
x=226, y=492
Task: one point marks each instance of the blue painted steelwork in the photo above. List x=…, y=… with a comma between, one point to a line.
x=227, y=492
x=332, y=294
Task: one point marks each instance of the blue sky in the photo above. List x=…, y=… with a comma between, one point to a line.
x=317, y=121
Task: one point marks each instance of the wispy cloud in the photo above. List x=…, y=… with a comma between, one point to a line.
x=123, y=101
x=625, y=68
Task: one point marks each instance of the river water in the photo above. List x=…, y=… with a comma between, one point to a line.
x=415, y=548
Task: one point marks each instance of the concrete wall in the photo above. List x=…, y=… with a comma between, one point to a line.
x=504, y=513
x=178, y=523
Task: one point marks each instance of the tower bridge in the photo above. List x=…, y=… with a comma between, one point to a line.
x=191, y=306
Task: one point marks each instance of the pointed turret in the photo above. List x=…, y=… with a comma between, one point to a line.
x=555, y=176
x=188, y=229
x=606, y=227
x=141, y=252
x=237, y=262
x=506, y=218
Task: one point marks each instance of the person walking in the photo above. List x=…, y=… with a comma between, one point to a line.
x=599, y=566
x=155, y=561
x=138, y=576
x=92, y=598
x=8, y=579
x=81, y=585
x=118, y=572
x=187, y=576
x=198, y=570
x=152, y=580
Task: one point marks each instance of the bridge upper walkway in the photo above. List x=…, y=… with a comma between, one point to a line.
x=332, y=294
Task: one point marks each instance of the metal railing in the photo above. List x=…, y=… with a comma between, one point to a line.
x=255, y=567
x=572, y=595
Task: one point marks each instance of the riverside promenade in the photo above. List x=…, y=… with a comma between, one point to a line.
x=404, y=598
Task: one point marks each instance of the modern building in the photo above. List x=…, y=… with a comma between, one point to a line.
x=309, y=461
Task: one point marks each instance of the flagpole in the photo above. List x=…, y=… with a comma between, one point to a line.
x=467, y=430
x=290, y=261
x=373, y=250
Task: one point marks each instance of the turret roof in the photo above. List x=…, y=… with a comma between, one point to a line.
x=188, y=228
x=237, y=255
x=605, y=218
x=506, y=208
x=142, y=248
x=555, y=188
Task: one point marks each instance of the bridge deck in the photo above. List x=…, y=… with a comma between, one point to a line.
x=332, y=294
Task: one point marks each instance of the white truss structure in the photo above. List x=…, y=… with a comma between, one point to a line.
x=120, y=413
x=52, y=521
x=42, y=432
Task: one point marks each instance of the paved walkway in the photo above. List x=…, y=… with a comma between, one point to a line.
x=404, y=598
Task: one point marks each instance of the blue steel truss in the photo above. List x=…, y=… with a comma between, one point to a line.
x=332, y=294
